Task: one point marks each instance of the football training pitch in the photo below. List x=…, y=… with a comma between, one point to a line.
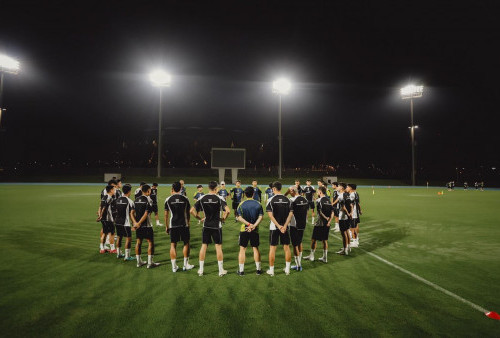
x=55, y=282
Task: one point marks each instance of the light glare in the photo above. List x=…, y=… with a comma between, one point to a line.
x=8, y=64
x=412, y=91
x=281, y=86
x=159, y=78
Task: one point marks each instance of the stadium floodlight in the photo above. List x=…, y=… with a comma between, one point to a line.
x=160, y=79
x=280, y=87
x=412, y=92
x=8, y=64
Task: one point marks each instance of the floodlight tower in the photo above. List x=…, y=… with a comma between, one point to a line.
x=280, y=87
x=412, y=92
x=10, y=66
x=159, y=79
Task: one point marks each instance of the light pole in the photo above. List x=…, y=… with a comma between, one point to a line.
x=412, y=92
x=280, y=87
x=159, y=79
x=7, y=65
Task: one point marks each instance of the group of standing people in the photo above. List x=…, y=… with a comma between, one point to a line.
x=288, y=214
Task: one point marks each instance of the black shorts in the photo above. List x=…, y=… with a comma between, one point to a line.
x=345, y=224
x=123, y=231
x=155, y=208
x=144, y=233
x=276, y=236
x=235, y=205
x=354, y=222
x=311, y=205
x=252, y=237
x=335, y=212
x=108, y=227
x=209, y=233
x=178, y=234
x=296, y=236
x=320, y=233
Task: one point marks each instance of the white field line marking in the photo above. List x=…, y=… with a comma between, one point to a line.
x=423, y=280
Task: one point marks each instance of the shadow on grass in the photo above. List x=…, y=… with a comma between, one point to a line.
x=378, y=234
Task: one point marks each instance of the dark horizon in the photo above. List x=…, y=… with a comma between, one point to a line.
x=83, y=92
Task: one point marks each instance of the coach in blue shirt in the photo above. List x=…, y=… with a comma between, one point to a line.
x=249, y=213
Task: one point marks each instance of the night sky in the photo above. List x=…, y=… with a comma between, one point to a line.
x=83, y=93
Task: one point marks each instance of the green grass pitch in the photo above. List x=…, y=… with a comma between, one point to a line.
x=55, y=283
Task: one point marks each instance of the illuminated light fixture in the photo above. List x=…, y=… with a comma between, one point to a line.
x=411, y=91
x=159, y=78
x=281, y=86
x=8, y=64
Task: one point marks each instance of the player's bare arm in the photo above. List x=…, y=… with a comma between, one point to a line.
x=288, y=220
x=270, y=214
x=167, y=222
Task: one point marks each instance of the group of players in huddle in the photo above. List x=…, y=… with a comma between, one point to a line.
x=288, y=214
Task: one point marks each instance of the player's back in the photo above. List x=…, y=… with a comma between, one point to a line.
x=300, y=207
x=179, y=206
x=211, y=205
x=124, y=206
x=142, y=205
x=280, y=206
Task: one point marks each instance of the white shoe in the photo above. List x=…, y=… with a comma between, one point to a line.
x=309, y=258
x=347, y=250
x=159, y=224
x=286, y=272
x=341, y=251
x=200, y=272
x=106, y=247
x=222, y=273
x=175, y=268
x=153, y=265
x=322, y=259
x=141, y=264
x=187, y=267
x=270, y=273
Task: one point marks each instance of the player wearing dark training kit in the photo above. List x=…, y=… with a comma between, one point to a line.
x=250, y=215
x=300, y=207
x=154, y=198
x=183, y=188
x=113, y=183
x=236, y=195
x=269, y=192
x=335, y=195
x=123, y=222
x=280, y=212
x=309, y=192
x=257, y=193
x=106, y=219
x=222, y=191
x=138, y=191
x=143, y=228
x=211, y=205
x=321, y=229
x=177, y=217
x=344, y=218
